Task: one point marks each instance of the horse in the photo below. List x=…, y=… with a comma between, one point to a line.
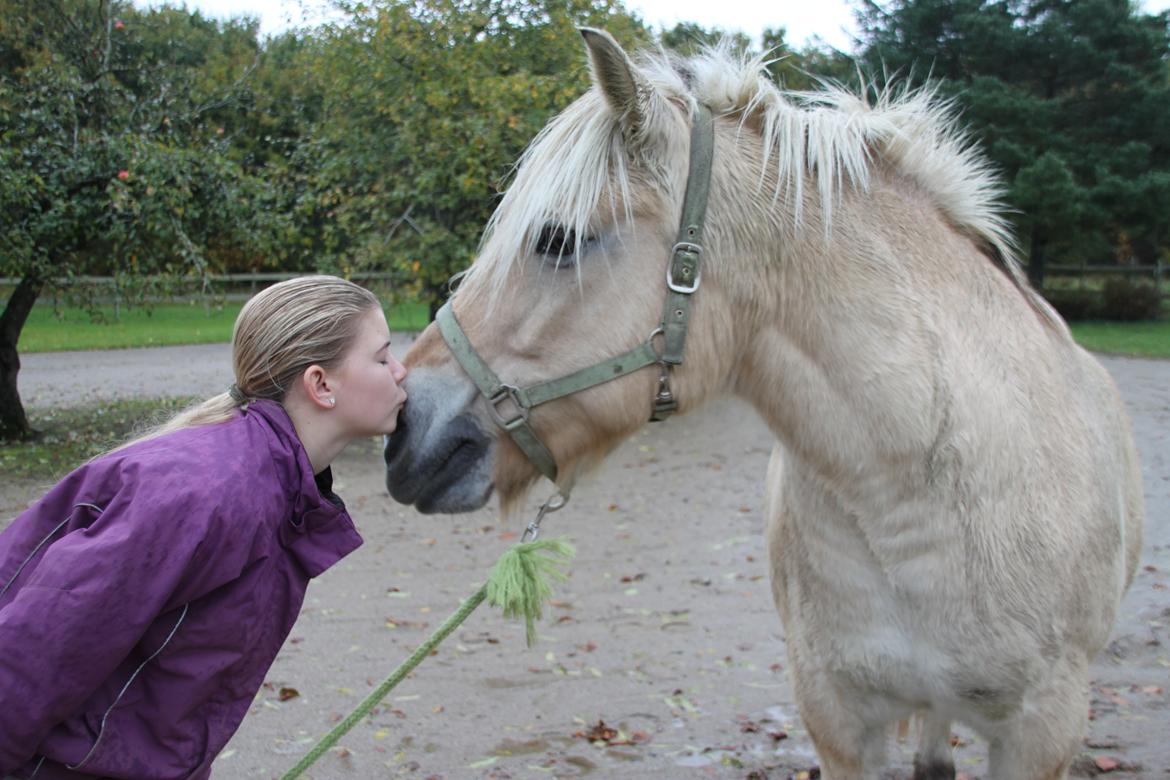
x=953, y=505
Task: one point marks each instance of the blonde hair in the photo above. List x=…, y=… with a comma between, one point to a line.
x=281, y=331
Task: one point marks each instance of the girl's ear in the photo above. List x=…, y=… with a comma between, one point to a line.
x=318, y=386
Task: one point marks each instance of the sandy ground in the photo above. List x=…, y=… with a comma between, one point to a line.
x=665, y=629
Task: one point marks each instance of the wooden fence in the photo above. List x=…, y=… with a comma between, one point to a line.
x=242, y=286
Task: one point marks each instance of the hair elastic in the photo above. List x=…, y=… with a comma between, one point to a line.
x=237, y=394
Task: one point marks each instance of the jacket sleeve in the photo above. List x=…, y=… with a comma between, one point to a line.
x=88, y=602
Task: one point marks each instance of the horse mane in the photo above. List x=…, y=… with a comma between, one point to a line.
x=832, y=138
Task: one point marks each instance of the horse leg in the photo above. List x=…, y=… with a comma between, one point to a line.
x=934, y=761
x=848, y=747
x=1041, y=741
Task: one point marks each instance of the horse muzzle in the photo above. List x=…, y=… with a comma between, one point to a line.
x=439, y=459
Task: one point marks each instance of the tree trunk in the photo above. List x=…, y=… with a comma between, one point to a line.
x=13, y=422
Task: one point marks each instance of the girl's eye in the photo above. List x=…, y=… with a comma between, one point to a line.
x=554, y=241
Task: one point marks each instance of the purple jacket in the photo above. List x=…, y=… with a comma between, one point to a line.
x=143, y=599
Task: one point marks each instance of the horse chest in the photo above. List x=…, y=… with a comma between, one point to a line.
x=874, y=596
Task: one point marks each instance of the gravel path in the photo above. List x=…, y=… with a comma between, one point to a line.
x=665, y=629
x=50, y=379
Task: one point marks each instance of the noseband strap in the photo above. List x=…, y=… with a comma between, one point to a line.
x=509, y=405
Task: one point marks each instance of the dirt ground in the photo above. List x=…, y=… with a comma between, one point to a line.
x=665, y=630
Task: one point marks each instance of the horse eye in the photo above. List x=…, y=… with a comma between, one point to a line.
x=555, y=241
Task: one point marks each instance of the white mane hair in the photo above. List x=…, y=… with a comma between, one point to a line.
x=831, y=138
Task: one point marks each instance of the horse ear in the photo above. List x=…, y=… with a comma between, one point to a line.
x=614, y=75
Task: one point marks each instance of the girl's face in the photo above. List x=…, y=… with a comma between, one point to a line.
x=368, y=381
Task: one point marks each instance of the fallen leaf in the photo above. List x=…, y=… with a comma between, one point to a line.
x=1106, y=764
x=597, y=733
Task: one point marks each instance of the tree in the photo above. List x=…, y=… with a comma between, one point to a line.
x=688, y=38
x=1071, y=98
x=427, y=106
x=808, y=68
x=114, y=159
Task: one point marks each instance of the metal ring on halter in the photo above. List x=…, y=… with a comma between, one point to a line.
x=650, y=340
x=506, y=393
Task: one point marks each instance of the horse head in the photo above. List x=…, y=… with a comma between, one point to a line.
x=572, y=272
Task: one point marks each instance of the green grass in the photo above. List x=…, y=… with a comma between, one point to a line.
x=165, y=324
x=176, y=323
x=72, y=436
x=1143, y=339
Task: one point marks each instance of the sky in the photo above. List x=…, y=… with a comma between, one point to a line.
x=829, y=20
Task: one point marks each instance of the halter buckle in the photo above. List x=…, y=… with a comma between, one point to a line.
x=507, y=393
x=684, y=287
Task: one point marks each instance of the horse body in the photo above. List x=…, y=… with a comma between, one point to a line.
x=954, y=506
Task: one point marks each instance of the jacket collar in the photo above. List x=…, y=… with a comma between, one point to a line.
x=319, y=531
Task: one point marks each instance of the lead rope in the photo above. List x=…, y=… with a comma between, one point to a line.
x=518, y=583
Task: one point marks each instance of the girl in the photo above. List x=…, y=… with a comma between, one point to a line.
x=143, y=599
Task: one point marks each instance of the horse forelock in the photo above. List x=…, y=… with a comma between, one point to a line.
x=579, y=165
x=572, y=170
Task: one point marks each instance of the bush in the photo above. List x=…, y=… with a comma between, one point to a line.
x=1127, y=300
x=1075, y=305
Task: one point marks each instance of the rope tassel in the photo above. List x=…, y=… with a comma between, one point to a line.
x=518, y=583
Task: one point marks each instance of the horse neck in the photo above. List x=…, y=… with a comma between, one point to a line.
x=839, y=330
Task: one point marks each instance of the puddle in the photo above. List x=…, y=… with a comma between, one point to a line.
x=512, y=747
x=501, y=683
x=707, y=758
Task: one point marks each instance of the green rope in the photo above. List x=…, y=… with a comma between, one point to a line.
x=516, y=583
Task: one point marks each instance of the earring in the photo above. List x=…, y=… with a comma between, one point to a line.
x=333, y=402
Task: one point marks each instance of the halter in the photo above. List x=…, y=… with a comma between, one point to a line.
x=509, y=405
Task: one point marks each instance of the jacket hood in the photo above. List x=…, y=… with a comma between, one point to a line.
x=319, y=531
